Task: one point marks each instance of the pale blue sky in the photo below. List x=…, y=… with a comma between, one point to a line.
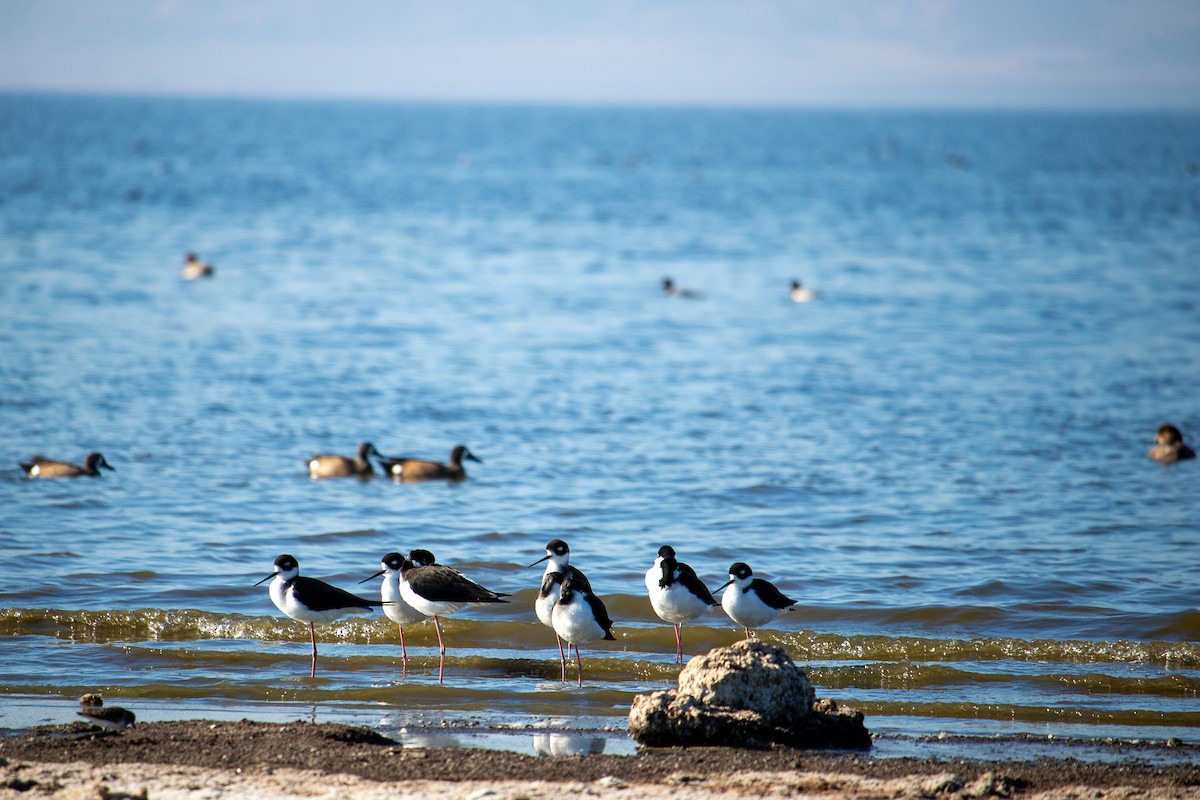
x=859, y=53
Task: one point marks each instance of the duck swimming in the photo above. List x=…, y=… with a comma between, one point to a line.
x=416, y=469
x=42, y=467
x=1169, y=447
x=194, y=268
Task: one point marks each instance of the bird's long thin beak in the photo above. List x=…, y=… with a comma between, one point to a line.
x=540, y=560
x=723, y=585
x=474, y=457
x=107, y=465
x=264, y=580
x=376, y=575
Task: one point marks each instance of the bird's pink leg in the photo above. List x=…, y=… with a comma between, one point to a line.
x=441, y=650
x=403, y=651
x=312, y=632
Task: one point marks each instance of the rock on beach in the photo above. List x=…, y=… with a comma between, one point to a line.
x=750, y=694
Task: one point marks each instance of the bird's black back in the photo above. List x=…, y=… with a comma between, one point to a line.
x=321, y=596
x=767, y=592
x=438, y=583
x=600, y=613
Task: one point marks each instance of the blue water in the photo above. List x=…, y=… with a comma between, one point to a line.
x=942, y=458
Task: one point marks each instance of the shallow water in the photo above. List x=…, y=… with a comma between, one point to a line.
x=942, y=459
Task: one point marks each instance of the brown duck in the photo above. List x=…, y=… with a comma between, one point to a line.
x=415, y=469
x=42, y=467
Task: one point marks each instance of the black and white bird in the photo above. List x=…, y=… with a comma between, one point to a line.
x=437, y=591
x=559, y=556
x=311, y=600
x=580, y=617
x=750, y=601
x=110, y=718
x=676, y=593
x=395, y=607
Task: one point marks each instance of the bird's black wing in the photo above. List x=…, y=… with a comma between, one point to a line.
x=438, y=583
x=691, y=581
x=600, y=613
x=767, y=592
x=578, y=578
x=321, y=596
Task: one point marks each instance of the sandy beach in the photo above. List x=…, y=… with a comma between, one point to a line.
x=252, y=759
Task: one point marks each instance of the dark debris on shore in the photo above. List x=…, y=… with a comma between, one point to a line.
x=332, y=748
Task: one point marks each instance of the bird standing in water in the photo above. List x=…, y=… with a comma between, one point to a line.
x=676, y=593
x=750, y=601
x=311, y=600
x=438, y=591
x=394, y=606
x=579, y=616
x=558, y=570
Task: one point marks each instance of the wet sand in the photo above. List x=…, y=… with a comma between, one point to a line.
x=254, y=759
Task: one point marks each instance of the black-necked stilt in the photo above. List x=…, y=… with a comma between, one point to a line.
x=676, y=593
x=42, y=467
x=579, y=616
x=559, y=556
x=111, y=718
x=437, y=591
x=194, y=268
x=798, y=293
x=415, y=469
x=333, y=466
x=310, y=600
x=750, y=601
x=672, y=290
x=394, y=606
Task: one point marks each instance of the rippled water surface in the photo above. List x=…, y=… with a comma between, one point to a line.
x=942, y=458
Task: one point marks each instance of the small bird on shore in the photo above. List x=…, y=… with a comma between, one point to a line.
x=1169, y=447
x=416, y=469
x=676, y=593
x=671, y=290
x=749, y=601
x=580, y=617
x=438, y=591
x=42, y=467
x=395, y=607
x=334, y=466
x=311, y=600
x=559, y=556
x=110, y=718
x=194, y=268
x=799, y=293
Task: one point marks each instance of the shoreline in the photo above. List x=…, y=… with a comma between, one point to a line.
x=305, y=759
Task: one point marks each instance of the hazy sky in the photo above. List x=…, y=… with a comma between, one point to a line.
x=941, y=53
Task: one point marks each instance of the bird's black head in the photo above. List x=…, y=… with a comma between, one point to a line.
x=94, y=461
x=393, y=561
x=666, y=551
x=558, y=547
x=740, y=570
x=422, y=558
x=284, y=565
x=1169, y=434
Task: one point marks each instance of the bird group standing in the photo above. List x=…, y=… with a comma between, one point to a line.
x=416, y=588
